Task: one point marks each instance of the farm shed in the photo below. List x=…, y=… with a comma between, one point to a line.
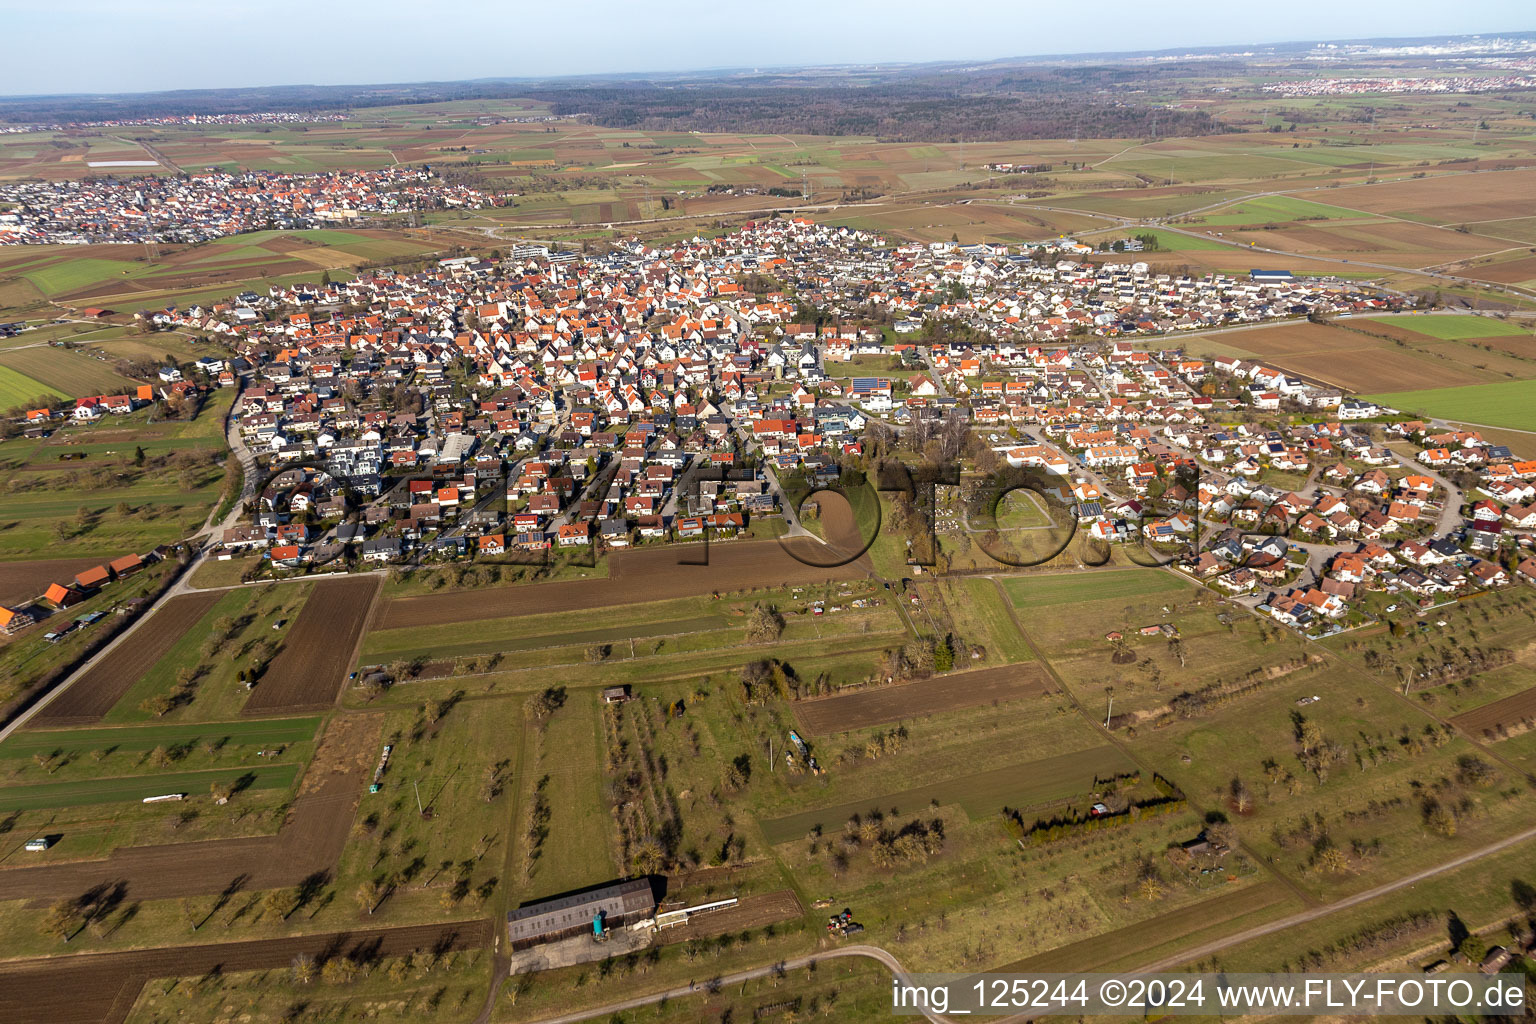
x=566, y=916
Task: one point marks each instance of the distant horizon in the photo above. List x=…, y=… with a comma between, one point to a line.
x=113, y=47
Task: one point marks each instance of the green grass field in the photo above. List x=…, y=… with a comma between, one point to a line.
x=72, y=275
x=1271, y=209
x=1506, y=404
x=1457, y=328
x=17, y=389
x=279, y=730
x=578, y=851
x=1174, y=241
x=72, y=374
x=1048, y=591
x=104, y=791
x=979, y=795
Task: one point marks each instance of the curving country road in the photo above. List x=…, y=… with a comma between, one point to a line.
x=1186, y=956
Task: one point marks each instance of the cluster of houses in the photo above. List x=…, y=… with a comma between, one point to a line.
x=60, y=596
x=153, y=208
x=554, y=399
x=165, y=120
x=1377, y=86
x=1304, y=516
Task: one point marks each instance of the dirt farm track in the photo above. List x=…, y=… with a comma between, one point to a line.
x=308, y=672
x=95, y=692
x=881, y=704
x=653, y=574
x=100, y=988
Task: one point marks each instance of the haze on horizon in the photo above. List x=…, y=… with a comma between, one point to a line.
x=104, y=46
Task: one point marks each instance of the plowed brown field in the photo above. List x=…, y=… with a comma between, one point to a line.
x=882, y=704
x=651, y=574
x=1347, y=359
x=1511, y=713
x=1449, y=199
x=93, y=694
x=308, y=672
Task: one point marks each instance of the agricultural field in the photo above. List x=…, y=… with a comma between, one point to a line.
x=884, y=705
x=17, y=390
x=123, y=484
x=375, y=769
x=64, y=372
x=126, y=279
x=649, y=574
x=197, y=678
x=1378, y=356
x=310, y=666
x=1274, y=209
x=1506, y=404
x=101, y=687
x=635, y=631
x=1458, y=328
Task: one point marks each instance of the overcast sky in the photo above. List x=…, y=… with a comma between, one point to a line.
x=65, y=46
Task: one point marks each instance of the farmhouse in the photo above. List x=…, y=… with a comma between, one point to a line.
x=590, y=912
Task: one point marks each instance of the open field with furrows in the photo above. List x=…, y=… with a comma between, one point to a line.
x=638, y=575
x=1397, y=243
x=1274, y=210
x=312, y=665
x=885, y=704
x=17, y=390
x=653, y=630
x=1455, y=199
x=1384, y=360
x=1519, y=270
x=1506, y=404
x=93, y=694
x=1513, y=714
x=983, y=219
x=73, y=374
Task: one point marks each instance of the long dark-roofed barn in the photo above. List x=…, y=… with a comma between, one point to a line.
x=563, y=917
